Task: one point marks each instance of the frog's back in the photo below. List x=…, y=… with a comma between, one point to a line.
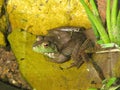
x=63, y=35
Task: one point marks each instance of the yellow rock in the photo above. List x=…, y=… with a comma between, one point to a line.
x=38, y=16
x=3, y=20
x=2, y=26
x=2, y=39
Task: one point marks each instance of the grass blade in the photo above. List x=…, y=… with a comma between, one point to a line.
x=114, y=13
x=118, y=28
x=94, y=8
x=118, y=20
x=96, y=22
x=111, y=81
x=108, y=18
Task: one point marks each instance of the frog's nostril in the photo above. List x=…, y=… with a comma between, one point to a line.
x=39, y=38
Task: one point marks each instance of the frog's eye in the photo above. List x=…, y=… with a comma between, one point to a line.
x=39, y=38
x=46, y=44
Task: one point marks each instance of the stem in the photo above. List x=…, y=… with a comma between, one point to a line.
x=108, y=18
x=94, y=8
x=96, y=13
x=96, y=22
x=114, y=13
x=118, y=20
x=118, y=28
x=114, y=28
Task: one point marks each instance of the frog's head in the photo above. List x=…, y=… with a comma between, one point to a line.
x=45, y=47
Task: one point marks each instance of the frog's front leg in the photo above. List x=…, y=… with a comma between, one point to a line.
x=65, y=54
x=78, y=53
x=60, y=58
x=76, y=57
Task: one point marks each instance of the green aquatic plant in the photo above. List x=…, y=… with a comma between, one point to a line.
x=113, y=21
x=112, y=34
x=108, y=84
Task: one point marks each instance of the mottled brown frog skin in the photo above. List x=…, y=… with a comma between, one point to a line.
x=62, y=44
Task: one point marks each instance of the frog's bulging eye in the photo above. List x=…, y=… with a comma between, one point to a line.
x=46, y=44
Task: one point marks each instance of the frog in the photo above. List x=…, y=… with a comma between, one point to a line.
x=63, y=44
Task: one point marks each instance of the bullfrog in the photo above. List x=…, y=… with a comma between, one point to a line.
x=63, y=44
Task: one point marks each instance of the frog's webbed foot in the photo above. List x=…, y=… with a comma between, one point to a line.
x=83, y=58
x=77, y=64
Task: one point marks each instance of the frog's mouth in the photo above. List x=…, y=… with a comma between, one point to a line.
x=50, y=55
x=45, y=52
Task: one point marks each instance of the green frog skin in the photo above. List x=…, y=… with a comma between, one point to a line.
x=61, y=44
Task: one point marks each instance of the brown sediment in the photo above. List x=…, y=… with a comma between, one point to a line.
x=9, y=70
